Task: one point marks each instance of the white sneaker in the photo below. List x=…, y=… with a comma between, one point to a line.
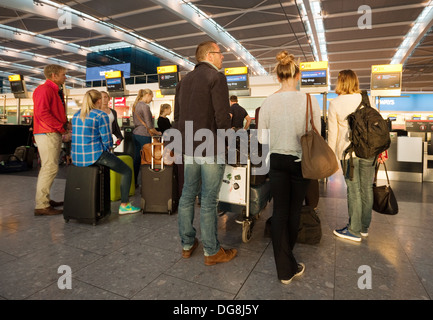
x=300, y=272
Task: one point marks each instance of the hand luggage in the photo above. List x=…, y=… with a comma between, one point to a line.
x=87, y=193
x=310, y=229
x=115, y=179
x=159, y=187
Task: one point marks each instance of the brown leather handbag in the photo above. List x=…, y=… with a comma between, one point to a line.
x=318, y=159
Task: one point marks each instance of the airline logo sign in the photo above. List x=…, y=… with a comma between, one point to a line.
x=314, y=65
x=235, y=71
x=113, y=74
x=15, y=77
x=166, y=69
x=384, y=68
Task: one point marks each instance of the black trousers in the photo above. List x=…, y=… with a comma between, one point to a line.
x=288, y=189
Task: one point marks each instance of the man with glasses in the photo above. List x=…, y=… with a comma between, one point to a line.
x=202, y=102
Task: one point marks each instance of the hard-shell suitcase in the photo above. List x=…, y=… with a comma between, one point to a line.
x=115, y=179
x=87, y=193
x=159, y=188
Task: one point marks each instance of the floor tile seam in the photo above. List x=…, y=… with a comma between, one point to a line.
x=73, y=280
x=252, y=269
x=413, y=267
x=195, y=283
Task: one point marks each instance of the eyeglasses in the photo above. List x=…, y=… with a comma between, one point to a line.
x=219, y=52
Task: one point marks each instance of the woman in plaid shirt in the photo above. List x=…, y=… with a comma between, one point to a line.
x=92, y=144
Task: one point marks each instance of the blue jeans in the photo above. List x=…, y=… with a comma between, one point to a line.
x=111, y=161
x=211, y=176
x=139, y=142
x=360, y=194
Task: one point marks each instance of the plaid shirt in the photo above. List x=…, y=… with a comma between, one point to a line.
x=91, y=138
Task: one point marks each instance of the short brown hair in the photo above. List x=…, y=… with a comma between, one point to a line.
x=203, y=49
x=52, y=68
x=234, y=99
x=347, y=82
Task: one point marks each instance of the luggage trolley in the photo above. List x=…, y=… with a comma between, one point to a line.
x=235, y=196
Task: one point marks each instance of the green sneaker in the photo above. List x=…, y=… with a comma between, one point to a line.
x=129, y=208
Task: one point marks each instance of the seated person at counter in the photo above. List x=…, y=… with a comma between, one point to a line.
x=92, y=144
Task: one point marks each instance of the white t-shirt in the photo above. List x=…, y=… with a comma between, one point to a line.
x=111, y=117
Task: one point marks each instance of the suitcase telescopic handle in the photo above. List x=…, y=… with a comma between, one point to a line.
x=153, y=144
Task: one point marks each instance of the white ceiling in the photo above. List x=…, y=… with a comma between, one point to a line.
x=263, y=27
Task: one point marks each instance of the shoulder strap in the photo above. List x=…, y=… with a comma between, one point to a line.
x=309, y=106
x=365, y=101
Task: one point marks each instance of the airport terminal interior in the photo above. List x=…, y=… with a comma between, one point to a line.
x=124, y=46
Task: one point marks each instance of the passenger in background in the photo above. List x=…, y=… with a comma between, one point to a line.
x=360, y=189
x=112, y=115
x=163, y=121
x=238, y=114
x=92, y=141
x=49, y=124
x=283, y=114
x=143, y=123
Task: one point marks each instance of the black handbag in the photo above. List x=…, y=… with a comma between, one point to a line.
x=384, y=198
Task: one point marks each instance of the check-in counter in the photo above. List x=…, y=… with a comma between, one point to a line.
x=410, y=156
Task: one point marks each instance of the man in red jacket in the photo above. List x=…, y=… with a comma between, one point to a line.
x=49, y=123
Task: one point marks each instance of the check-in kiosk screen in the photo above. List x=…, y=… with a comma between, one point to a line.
x=313, y=78
x=384, y=81
x=237, y=82
x=114, y=84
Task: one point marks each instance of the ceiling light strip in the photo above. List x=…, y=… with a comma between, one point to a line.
x=51, y=10
x=312, y=18
x=412, y=39
x=198, y=18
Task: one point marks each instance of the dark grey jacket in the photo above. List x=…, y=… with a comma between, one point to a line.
x=202, y=97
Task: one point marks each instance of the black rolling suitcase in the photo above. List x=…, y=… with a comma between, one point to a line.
x=159, y=187
x=87, y=194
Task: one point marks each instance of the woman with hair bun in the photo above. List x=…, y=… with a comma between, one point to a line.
x=282, y=114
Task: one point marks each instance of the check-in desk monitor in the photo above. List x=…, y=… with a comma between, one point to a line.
x=115, y=83
x=168, y=78
x=18, y=86
x=314, y=77
x=386, y=80
x=238, y=81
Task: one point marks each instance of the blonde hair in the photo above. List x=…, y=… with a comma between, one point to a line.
x=163, y=107
x=203, y=49
x=286, y=67
x=347, y=82
x=141, y=93
x=89, y=100
x=52, y=68
x=108, y=95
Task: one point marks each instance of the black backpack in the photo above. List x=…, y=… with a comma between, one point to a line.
x=369, y=133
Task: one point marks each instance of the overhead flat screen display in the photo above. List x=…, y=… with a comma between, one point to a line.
x=237, y=82
x=314, y=76
x=18, y=86
x=115, y=83
x=98, y=73
x=237, y=79
x=168, y=78
x=386, y=80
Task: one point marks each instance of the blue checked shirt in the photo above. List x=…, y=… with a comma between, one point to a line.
x=91, y=138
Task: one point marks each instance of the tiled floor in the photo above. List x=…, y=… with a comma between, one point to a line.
x=139, y=256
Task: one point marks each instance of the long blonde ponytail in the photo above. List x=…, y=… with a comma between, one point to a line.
x=89, y=100
x=141, y=93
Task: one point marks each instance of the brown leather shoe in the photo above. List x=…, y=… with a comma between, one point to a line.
x=55, y=203
x=223, y=255
x=187, y=253
x=49, y=211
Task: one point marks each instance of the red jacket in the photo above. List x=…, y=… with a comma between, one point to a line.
x=49, y=113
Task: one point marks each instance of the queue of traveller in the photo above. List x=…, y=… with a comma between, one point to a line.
x=282, y=113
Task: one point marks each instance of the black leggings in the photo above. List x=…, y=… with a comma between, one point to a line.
x=288, y=189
